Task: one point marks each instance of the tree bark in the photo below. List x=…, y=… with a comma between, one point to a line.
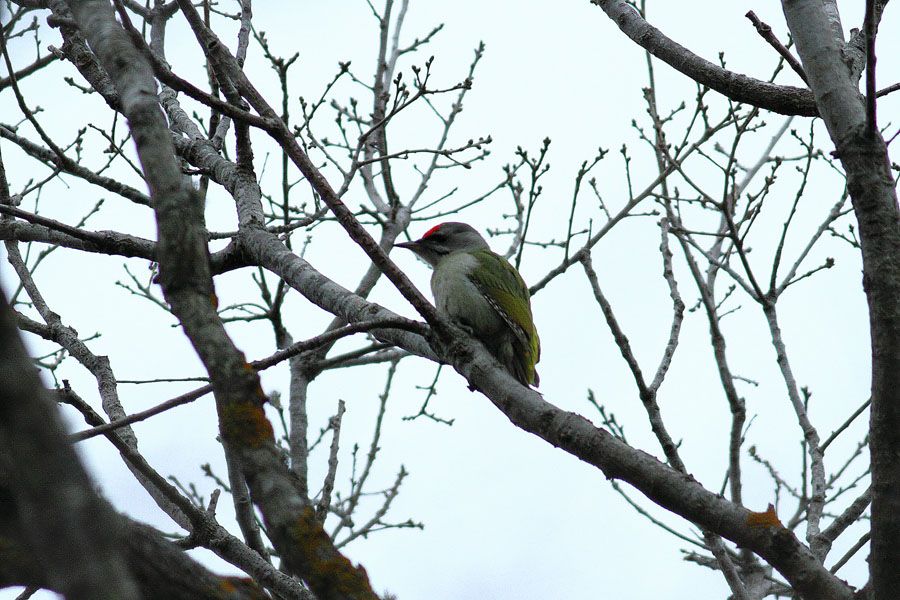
x=186, y=278
x=783, y=99
x=44, y=484
x=863, y=153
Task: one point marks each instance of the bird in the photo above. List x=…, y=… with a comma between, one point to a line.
x=483, y=293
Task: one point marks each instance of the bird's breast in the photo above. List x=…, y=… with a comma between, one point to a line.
x=457, y=297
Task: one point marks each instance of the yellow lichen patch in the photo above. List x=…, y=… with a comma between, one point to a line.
x=326, y=569
x=308, y=533
x=246, y=425
x=768, y=518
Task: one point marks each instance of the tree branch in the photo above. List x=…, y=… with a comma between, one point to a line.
x=187, y=284
x=783, y=99
x=864, y=157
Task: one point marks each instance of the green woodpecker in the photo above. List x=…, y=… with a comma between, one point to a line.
x=483, y=293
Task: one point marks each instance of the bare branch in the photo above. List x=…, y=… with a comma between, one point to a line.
x=786, y=100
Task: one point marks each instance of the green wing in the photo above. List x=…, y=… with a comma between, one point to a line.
x=498, y=279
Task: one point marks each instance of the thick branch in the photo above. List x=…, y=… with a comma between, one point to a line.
x=865, y=160
x=56, y=502
x=673, y=490
x=162, y=569
x=187, y=283
x=571, y=432
x=783, y=99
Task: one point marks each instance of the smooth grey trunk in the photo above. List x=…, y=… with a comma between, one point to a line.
x=865, y=159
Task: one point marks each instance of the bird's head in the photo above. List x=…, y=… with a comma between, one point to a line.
x=444, y=239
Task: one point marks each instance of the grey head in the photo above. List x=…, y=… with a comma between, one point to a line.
x=444, y=239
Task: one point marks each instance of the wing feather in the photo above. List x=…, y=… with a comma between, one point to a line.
x=505, y=290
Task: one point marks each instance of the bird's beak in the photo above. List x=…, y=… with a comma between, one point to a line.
x=408, y=245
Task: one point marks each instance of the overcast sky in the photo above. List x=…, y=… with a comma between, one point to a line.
x=506, y=516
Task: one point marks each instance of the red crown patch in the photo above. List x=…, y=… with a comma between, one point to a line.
x=432, y=230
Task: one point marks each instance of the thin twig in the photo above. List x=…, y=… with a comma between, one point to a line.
x=766, y=32
x=325, y=500
x=845, y=424
x=259, y=365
